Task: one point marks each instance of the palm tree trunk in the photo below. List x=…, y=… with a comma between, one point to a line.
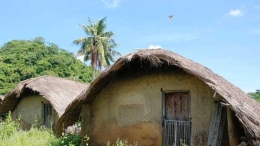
x=94, y=59
x=93, y=73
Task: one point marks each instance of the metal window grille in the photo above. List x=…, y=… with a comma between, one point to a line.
x=177, y=133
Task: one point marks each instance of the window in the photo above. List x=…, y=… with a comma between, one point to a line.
x=47, y=114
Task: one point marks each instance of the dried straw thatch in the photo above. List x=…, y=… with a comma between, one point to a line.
x=1, y=98
x=245, y=108
x=60, y=92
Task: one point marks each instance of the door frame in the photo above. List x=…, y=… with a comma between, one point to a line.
x=164, y=110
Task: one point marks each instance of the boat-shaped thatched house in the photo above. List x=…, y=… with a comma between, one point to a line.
x=41, y=100
x=156, y=97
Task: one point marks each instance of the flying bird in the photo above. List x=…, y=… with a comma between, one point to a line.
x=170, y=16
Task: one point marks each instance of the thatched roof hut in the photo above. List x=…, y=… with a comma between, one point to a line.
x=245, y=108
x=58, y=91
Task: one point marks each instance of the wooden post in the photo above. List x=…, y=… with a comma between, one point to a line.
x=217, y=126
x=232, y=135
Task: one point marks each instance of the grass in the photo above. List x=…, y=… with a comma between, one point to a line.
x=12, y=135
x=32, y=137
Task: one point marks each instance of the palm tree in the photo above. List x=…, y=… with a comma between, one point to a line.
x=97, y=46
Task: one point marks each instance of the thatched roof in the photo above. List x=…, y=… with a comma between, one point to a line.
x=60, y=92
x=245, y=108
x=1, y=98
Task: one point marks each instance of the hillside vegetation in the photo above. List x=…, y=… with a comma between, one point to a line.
x=23, y=59
x=255, y=95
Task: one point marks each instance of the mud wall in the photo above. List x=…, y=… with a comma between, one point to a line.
x=30, y=109
x=131, y=108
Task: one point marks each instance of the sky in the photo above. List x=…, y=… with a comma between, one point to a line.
x=221, y=35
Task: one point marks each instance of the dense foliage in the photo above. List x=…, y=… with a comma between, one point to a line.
x=255, y=95
x=21, y=59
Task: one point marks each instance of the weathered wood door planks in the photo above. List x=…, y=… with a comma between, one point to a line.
x=217, y=126
x=177, y=106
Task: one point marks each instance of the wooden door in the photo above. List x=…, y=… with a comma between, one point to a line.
x=177, y=125
x=177, y=106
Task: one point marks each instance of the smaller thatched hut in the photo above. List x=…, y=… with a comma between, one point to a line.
x=41, y=100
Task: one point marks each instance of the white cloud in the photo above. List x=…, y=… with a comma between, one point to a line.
x=234, y=13
x=154, y=47
x=81, y=57
x=113, y=4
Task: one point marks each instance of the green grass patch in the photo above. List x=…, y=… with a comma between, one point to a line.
x=32, y=137
x=12, y=135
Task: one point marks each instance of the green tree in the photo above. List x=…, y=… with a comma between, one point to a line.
x=98, y=46
x=23, y=59
x=255, y=95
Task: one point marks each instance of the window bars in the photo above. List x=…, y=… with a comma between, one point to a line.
x=177, y=133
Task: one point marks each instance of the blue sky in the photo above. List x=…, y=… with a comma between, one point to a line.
x=222, y=35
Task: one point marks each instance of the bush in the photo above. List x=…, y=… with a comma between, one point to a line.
x=12, y=135
x=32, y=137
x=76, y=128
x=8, y=127
x=68, y=140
